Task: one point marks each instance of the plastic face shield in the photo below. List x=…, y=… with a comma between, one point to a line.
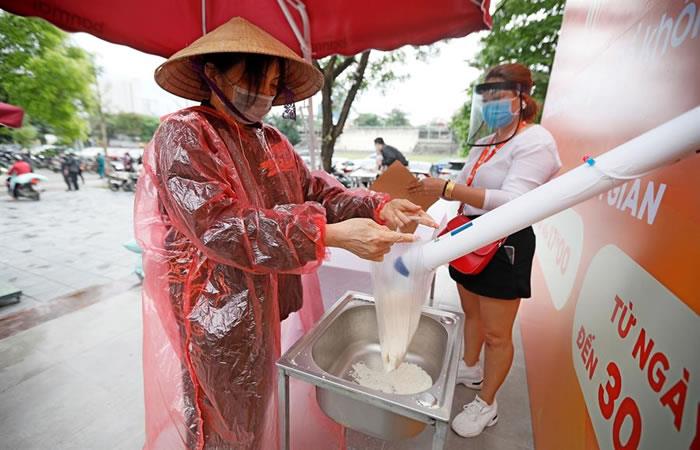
x=495, y=105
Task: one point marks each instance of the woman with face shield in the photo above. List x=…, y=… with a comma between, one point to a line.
x=509, y=156
x=229, y=217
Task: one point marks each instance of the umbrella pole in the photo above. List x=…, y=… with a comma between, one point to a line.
x=304, y=39
x=312, y=135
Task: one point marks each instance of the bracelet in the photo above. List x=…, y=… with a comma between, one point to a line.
x=448, y=190
x=442, y=194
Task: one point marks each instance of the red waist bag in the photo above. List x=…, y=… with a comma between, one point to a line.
x=475, y=262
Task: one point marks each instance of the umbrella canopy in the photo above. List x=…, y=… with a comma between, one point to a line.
x=11, y=116
x=162, y=27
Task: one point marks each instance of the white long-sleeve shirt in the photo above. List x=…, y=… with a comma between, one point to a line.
x=522, y=164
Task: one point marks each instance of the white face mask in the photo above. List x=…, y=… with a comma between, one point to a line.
x=253, y=106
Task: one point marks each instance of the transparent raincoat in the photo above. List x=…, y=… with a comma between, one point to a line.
x=229, y=218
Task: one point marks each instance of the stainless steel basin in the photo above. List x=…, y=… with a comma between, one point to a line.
x=347, y=334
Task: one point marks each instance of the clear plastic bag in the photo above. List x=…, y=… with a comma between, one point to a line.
x=399, y=300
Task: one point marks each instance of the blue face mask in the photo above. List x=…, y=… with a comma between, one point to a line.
x=497, y=113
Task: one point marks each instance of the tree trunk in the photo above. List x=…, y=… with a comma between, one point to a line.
x=327, y=154
x=331, y=131
x=327, y=141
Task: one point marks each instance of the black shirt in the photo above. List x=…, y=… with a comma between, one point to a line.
x=391, y=154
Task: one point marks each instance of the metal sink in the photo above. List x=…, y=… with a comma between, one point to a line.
x=347, y=334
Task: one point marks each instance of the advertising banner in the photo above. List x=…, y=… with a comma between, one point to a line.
x=612, y=334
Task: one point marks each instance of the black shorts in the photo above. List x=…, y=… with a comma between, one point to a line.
x=503, y=278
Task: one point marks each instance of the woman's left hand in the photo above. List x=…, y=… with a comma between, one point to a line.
x=400, y=212
x=428, y=186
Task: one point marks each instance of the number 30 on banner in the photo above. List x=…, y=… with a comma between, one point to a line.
x=607, y=398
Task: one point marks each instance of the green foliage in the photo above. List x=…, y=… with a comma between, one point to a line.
x=41, y=72
x=397, y=118
x=137, y=127
x=25, y=136
x=460, y=123
x=381, y=71
x=150, y=124
x=368, y=120
x=524, y=31
x=289, y=128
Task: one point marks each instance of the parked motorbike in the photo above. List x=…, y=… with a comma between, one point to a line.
x=340, y=176
x=38, y=162
x=25, y=185
x=55, y=164
x=121, y=179
x=126, y=181
x=7, y=158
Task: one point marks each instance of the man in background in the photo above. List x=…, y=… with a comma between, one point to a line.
x=128, y=162
x=386, y=155
x=101, y=165
x=20, y=167
x=71, y=171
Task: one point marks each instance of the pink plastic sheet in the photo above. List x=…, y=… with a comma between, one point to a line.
x=229, y=218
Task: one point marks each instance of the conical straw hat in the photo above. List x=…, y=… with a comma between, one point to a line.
x=179, y=76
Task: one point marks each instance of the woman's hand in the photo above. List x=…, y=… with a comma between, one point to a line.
x=364, y=237
x=400, y=212
x=428, y=186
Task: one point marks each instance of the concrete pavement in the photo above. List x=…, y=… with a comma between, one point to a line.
x=67, y=241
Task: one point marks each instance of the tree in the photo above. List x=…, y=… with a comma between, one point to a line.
x=137, y=127
x=397, y=118
x=345, y=78
x=368, y=120
x=289, y=128
x=41, y=72
x=99, y=119
x=25, y=136
x=333, y=69
x=524, y=31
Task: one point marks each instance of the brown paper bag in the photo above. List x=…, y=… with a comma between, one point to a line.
x=395, y=181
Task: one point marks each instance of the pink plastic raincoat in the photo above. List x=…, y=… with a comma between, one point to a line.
x=229, y=217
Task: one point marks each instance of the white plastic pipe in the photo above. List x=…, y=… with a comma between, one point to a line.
x=661, y=146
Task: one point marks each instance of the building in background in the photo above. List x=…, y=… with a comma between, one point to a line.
x=432, y=139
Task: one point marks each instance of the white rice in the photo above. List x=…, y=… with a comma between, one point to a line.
x=407, y=379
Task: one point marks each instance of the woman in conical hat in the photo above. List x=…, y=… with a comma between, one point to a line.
x=229, y=217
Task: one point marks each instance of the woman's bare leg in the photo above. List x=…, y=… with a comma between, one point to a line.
x=473, y=330
x=497, y=318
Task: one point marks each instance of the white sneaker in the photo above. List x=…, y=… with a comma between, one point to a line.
x=476, y=416
x=470, y=376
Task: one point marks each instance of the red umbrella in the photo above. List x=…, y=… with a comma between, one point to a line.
x=11, y=116
x=343, y=27
x=313, y=28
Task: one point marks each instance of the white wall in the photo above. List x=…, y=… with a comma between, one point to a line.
x=362, y=139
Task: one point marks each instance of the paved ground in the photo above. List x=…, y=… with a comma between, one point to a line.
x=66, y=242
x=70, y=352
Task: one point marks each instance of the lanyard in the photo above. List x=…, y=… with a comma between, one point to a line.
x=486, y=155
